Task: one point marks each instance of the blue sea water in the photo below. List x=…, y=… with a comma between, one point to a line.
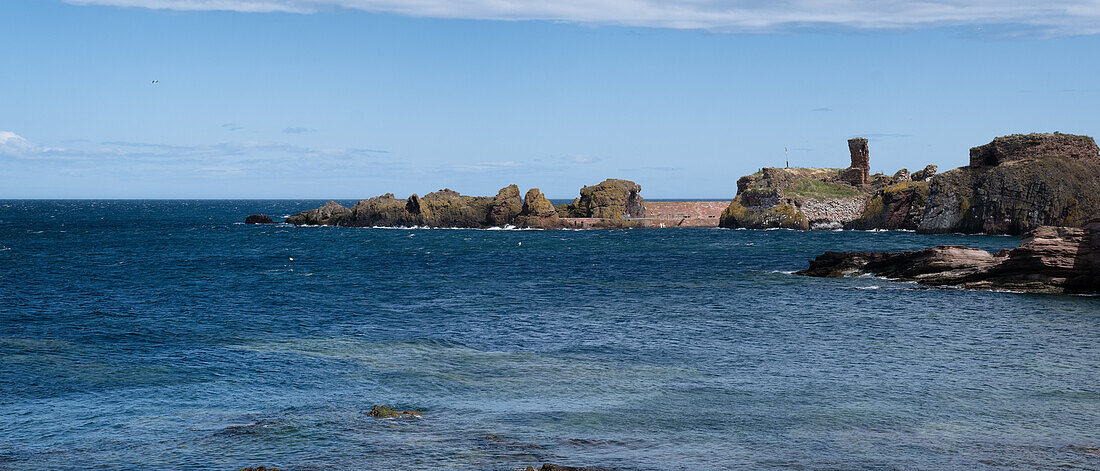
x=167, y=335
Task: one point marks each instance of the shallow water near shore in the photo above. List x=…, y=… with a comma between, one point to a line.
x=165, y=334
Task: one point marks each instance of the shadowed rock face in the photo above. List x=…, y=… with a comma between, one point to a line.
x=1049, y=259
x=258, y=219
x=1014, y=197
x=1029, y=146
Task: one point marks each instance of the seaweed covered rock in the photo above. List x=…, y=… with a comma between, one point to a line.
x=331, y=214
x=506, y=206
x=448, y=208
x=537, y=211
x=1016, y=184
x=258, y=219
x=387, y=412
x=610, y=199
x=784, y=216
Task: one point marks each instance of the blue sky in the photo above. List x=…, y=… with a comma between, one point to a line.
x=354, y=98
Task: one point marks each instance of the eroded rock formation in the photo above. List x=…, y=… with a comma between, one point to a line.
x=610, y=199
x=1048, y=260
x=1019, y=183
x=609, y=204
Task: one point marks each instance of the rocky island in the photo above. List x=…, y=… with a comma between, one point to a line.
x=611, y=203
x=1012, y=185
x=1048, y=260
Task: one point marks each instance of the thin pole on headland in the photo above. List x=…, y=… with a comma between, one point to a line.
x=785, y=158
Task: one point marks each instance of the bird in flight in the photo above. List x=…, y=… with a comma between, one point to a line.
x=156, y=81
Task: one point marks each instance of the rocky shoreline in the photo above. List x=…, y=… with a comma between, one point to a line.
x=1012, y=185
x=1048, y=260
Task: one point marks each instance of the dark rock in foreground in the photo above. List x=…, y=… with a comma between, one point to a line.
x=1048, y=260
x=258, y=219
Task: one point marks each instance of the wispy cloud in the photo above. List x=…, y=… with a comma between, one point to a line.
x=232, y=126
x=822, y=110
x=297, y=130
x=220, y=158
x=1062, y=17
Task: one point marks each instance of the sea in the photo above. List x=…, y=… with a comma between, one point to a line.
x=169, y=335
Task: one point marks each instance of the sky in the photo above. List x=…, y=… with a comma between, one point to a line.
x=347, y=99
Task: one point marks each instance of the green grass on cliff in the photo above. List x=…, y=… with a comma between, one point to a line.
x=811, y=188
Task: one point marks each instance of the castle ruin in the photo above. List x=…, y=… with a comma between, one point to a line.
x=859, y=173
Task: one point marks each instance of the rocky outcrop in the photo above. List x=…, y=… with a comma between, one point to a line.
x=506, y=206
x=600, y=206
x=922, y=175
x=538, y=212
x=610, y=199
x=1016, y=184
x=386, y=412
x=1031, y=146
x=1048, y=260
x=258, y=219
x=331, y=214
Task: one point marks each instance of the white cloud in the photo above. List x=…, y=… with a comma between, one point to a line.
x=1052, y=16
x=14, y=144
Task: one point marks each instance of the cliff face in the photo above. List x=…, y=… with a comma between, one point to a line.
x=1021, y=183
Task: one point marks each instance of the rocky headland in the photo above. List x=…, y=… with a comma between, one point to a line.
x=1012, y=185
x=1049, y=259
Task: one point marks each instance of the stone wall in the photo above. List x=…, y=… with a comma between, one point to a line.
x=684, y=213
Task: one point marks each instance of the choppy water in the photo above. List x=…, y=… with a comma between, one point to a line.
x=141, y=335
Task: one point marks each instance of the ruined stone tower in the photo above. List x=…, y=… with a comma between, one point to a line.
x=859, y=173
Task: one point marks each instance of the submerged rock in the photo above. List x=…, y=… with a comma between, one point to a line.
x=386, y=412
x=258, y=219
x=1049, y=259
x=556, y=467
